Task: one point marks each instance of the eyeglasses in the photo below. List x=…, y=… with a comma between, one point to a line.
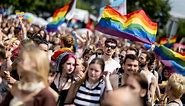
x=112, y=47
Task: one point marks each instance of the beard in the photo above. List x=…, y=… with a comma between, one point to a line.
x=142, y=64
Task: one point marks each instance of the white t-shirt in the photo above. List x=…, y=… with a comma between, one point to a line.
x=111, y=65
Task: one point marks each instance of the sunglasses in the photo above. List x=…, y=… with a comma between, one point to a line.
x=112, y=47
x=99, y=53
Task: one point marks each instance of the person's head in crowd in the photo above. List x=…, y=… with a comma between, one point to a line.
x=132, y=50
x=65, y=61
x=33, y=65
x=152, y=62
x=42, y=33
x=138, y=85
x=131, y=64
x=2, y=57
x=88, y=52
x=79, y=70
x=122, y=55
x=145, y=59
x=99, y=52
x=15, y=43
x=176, y=86
x=42, y=43
x=52, y=71
x=95, y=70
x=122, y=97
x=166, y=73
x=110, y=45
x=67, y=42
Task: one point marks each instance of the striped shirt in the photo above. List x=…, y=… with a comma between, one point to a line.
x=87, y=96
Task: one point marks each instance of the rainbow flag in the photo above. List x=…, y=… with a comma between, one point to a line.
x=134, y=26
x=165, y=40
x=171, y=59
x=60, y=15
x=20, y=15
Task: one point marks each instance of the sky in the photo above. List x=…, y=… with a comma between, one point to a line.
x=178, y=8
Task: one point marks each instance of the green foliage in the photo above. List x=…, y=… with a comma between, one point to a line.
x=181, y=29
x=157, y=10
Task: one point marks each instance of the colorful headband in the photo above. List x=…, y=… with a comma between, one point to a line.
x=59, y=59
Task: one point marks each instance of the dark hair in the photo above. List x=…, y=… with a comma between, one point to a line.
x=64, y=59
x=87, y=51
x=68, y=41
x=39, y=40
x=2, y=52
x=133, y=49
x=130, y=56
x=111, y=40
x=149, y=57
x=99, y=61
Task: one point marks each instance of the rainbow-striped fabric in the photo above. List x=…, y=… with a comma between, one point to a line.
x=170, y=58
x=134, y=26
x=59, y=16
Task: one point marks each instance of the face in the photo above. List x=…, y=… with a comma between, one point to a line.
x=43, y=47
x=142, y=59
x=79, y=66
x=122, y=55
x=25, y=62
x=131, y=66
x=109, y=48
x=69, y=66
x=25, y=68
x=166, y=73
x=94, y=72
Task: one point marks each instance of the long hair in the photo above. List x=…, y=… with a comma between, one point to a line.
x=41, y=63
x=99, y=61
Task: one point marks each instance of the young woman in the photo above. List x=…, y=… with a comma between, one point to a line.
x=32, y=89
x=139, y=85
x=175, y=89
x=90, y=89
x=65, y=66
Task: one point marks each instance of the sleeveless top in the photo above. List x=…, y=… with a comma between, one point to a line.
x=87, y=96
x=175, y=103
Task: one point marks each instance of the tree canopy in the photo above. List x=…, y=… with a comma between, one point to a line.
x=157, y=10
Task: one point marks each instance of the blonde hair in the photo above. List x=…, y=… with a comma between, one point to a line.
x=177, y=83
x=40, y=61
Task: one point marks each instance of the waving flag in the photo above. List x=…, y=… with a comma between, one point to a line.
x=134, y=26
x=170, y=58
x=60, y=15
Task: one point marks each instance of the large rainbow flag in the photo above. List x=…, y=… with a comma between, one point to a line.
x=171, y=59
x=134, y=26
x=60, y=15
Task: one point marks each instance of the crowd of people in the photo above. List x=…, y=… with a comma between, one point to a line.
x=40, y=68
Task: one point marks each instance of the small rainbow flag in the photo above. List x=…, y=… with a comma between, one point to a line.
x=59, y=16
x=20, y=15
x=134, y=26
x=165, y=40
x=170, y=58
